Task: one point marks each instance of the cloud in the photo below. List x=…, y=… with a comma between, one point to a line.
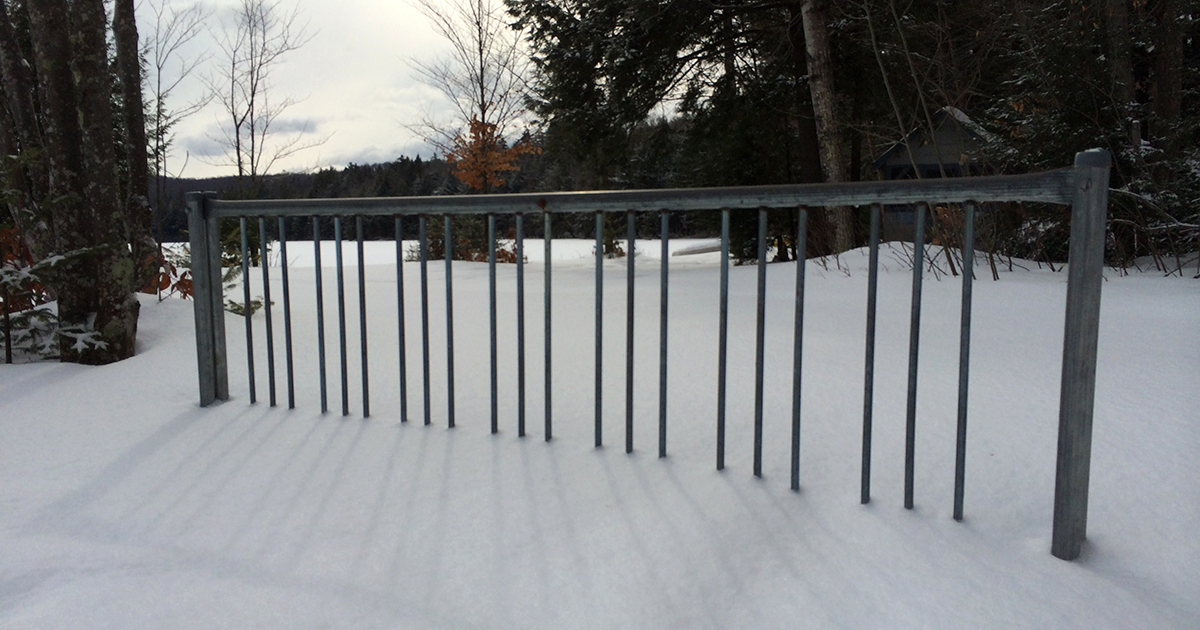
x=377, y=155
x=202, y=146
x=351, y=83
x=295, y=126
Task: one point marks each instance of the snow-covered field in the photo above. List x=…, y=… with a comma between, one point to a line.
x=125, y=505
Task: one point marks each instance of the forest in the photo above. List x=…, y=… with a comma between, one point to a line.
x=608, y=94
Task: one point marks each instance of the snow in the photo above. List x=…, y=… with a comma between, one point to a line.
x=125, y=505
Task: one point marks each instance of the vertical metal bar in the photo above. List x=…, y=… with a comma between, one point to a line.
x=630, y=251
x=798, y=340
x=423, y=235
x=216, y=305
x=599, y=329
x=448, y=240
x=400, y=320
x=520, y=325
x=262, y=257
x=316, y=230
x=1080, y=338
x=759, y=340
x=492, y=304
x=914, y=344
x=362, y=317
x=869, y=362
x=546, y=278
x=341, y=299
x=287, y=315
x=964, y=359
x=246, y=311
x=723, y=338
x=4, y=297
x=662, y=335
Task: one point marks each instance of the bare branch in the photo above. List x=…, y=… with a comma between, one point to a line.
x=252, y=39
x=484, y=77
x=164, y=48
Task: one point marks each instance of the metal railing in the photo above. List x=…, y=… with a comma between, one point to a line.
x=1084, y=188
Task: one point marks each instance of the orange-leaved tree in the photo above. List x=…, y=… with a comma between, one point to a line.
x=482, y=157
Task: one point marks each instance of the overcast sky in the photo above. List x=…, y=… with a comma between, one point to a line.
x=352, y=78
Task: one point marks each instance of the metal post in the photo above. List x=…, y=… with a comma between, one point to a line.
x=546, y=279
x=662, y=335
x=759, y=340
x=448, y=247
x=869, y=369
x=400, y=320
x=208, y=300
x=423, y=235
x=722, y=338
x=798, y=340
x=492, y=318
x=964, y=359
x=599, y=396
x=914, y=344
x=287, y=315
x=630, y=245
x=246, y=310
x=341, y=301
x=520, y=325
x=316, y=228
x=362, y=317
x=1089, y=212
x=262, y=257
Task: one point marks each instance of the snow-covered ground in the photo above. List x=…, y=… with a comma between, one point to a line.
x=125, y=505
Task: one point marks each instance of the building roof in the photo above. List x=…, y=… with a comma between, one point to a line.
x=918, y=135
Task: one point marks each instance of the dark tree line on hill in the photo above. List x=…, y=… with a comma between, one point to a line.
x=399, y=178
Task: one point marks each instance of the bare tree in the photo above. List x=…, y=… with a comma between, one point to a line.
x=174, y=28
x=484, y=77
x=251, y=43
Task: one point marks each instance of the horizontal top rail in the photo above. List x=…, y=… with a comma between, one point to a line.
x=1055, y=187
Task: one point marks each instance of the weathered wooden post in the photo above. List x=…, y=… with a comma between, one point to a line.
x=208, y=298
x=1089, y=212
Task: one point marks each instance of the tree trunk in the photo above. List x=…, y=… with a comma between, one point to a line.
x=111, y=299
x=49, y=26
x=809, y=160
x=1167, y=94
x=93, y=289
x=824, y=98
x=137, y=204
x=1120, y=61
x=29, y=176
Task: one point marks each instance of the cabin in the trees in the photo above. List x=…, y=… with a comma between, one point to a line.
x=953, y=150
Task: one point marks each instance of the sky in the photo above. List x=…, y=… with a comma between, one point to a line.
x=353, y=82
